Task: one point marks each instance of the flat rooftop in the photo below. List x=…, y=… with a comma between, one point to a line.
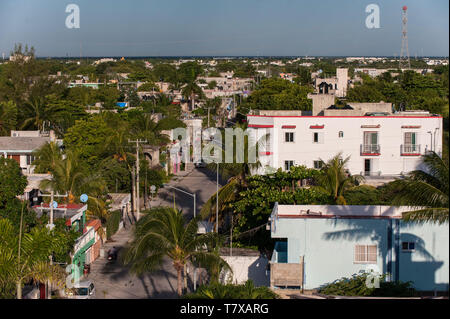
x=338, y=211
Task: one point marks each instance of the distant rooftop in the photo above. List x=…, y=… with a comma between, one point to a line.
x=27, y=144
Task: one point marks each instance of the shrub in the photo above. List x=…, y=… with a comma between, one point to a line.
x=229, y=291
x=356, y=286
x=112, y=223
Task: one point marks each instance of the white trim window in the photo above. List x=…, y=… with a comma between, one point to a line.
x=289, y=137
x=317, y=137
x=318, y=164
x=408, y=246
x=365, y=254
x=288, y=165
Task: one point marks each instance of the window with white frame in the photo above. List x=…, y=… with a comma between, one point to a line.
x=341, y=134
x=408, y=246
x=316, y=137
x=289, y=137
x=318, y=164
x=365, y=254
x=288, y=165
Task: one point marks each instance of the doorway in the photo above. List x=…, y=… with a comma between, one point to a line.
x=367, y=167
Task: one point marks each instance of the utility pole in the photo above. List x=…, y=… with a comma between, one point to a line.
x=217, y=200
x=138, y=210
x=50, y=226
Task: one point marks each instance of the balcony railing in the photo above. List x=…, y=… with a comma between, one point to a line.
x=410, y=149
x=370, y=149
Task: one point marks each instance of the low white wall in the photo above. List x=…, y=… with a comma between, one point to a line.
x=248, y=267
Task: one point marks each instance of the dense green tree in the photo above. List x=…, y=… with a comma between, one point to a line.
x=8, y=117
x=279, y=94
x=108, y=95
x=12, y=181
x=88, y=137
x=25, y=257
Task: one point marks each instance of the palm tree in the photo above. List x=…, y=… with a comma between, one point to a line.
x=335, y=181
x=143, y=126
x=244, y=291
x=69, y=176
x=189, y=91
x=164, y=232
x=426, y=190
x=8, y=117
x=38, y=112
x=237, y=174
x=27, y=258
x=47, y=157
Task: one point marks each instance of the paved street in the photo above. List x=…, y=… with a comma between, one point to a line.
x=114, y=281
x=200, y=181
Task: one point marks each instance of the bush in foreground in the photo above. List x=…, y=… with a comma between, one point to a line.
x=229, y=291
x=356, y=286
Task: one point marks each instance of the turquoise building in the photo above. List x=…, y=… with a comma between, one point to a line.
x=320, y=244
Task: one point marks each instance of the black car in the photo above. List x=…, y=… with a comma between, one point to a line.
x=200, y=164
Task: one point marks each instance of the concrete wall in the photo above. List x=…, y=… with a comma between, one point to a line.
x=248, y=267
x=342, y=82
x=321, y=102
x=328, y=248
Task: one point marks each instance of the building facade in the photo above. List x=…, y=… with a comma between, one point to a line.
x=378, y=144
x=320, y=244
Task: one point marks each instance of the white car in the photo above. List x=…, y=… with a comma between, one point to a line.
x=81, y=290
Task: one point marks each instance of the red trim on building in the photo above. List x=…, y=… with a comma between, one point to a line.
x=317, y=126
x=370, y=154
x=338, y=216
x=371, y=126
x=265, y=153
x=410, y=154
x=394, y=117
x=260, y=126
x=411, y=126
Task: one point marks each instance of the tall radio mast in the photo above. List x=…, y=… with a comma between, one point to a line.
x=404, y=62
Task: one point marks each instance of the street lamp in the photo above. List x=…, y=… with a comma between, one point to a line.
x=183, y=191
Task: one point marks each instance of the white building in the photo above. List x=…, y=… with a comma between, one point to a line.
x=380, y=143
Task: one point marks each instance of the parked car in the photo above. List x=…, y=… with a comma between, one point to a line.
x=81, y=290
x=201, y=164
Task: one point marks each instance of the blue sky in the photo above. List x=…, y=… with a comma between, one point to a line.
x=225, y=27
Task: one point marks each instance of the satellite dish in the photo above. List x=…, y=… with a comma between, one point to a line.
x=84, y=198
